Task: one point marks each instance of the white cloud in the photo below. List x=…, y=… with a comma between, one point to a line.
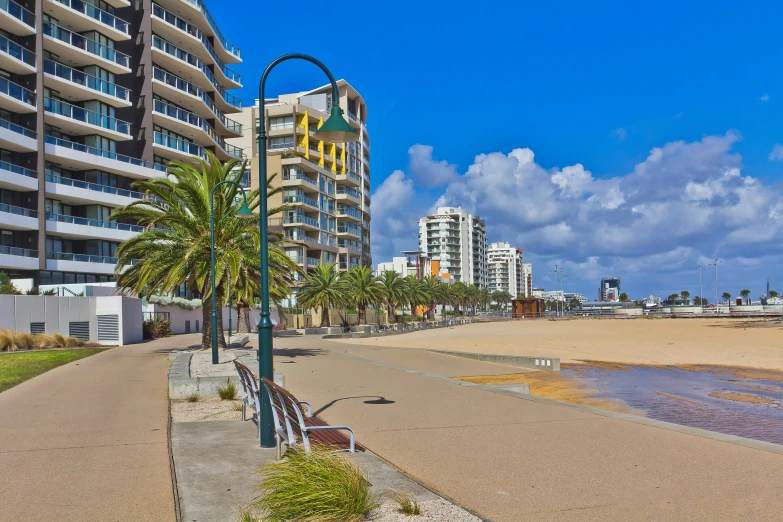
x=777, y=152
x=394, y=217
x=425, y=171
x=764, y=97
x=685, y=202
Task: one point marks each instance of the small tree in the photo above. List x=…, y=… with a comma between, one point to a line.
x=745, y=293
x=624, y=298
x=685, y=295
x=773, y=293
x=323, y=289
x=726, y=297
x=6, y=286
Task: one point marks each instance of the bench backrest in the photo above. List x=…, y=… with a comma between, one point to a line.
x=287, y=413
x=248, y=382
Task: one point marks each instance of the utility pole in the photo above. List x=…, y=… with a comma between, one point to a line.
x=562, y=284
x=701, y=289
x=557, y=309
x=715, y=264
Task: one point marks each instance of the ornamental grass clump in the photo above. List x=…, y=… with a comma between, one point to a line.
x=406, y=502
x=227, y=392
x=315, y=487
x=23, y=340
x=7, y=341
x=44, y=340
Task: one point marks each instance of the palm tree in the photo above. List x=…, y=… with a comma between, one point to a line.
x=458, y=296
x=323, y=289
x=364, y=289
x=726, y=297
x=685, y=295
x=415, y=293
x=484, y=298
x=435, y=291
x=174, y=248
x=473, y=298
x=624, y=298
x=745, y=293
x=394, y=291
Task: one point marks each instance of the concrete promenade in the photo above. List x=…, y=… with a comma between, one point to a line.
x=511, y=459
x=88, y=441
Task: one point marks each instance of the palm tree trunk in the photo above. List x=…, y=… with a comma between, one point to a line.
x=391, y=314
x=206, y=320
x=362, y=313
x=325, y=316
x=243, y=318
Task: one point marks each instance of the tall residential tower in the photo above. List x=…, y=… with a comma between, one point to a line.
x=95, y=95
x=456, y=244
x=507, y=272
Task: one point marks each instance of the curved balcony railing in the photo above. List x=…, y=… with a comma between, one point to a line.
x=181, y=145
x=86, y=116
x=18, y=211
x=5, y=124
x=20, y=252
x=18, y=12
x=83, y=258
x=349, y=191
x=104, y=189
x=228, y=46
x=194, y=90
x=301, y=199
x=104, y=153
x=15, y=50
x=301, y=219
x=95, y=13
x=86, y=80
x=173, y=111
x=91, y=46
x=349, y=229
x=344, y=210
x=191, y=59
x=60, y=218
x=172, y=19
x=16, y=169
x=14, y=90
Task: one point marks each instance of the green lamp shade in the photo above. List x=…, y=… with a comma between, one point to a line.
x=335, y=129
x=243, y=212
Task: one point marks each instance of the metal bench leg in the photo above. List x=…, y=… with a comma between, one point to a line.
x=244, y=410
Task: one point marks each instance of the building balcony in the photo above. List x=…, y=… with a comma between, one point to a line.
x=348, y=194
x=78, y=86
x=349, y=213
x=20, y=258
x=68, y=262
x=16, y=19
x=301, y=238
x=16, y=98
x=75, y=156
x=18, y=218
x=302, y=221
x=77, y=50
x=175, y=148
x=18, y=138
x=194, y=126
x=78, y=227
x=79, y=121
x=194, y=70
x=16, y=58
x=194, y=11
x=293, y=178
x=349, y=178
x=349, y=230
x=301, y=200
x=17, y=178
x=170, y=26
x=192, y=97
x=78, y=192
x=80, y=16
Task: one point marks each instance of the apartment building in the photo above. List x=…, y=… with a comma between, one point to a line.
x=327, y=185
x=95, y=95
x=455, y=241
x=506, y=271
x=527, y=276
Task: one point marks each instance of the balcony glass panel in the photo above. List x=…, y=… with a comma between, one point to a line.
x=193, y=119
x=104, y=153
x=16, y=169
x=228, y=46
x=5, y=124
x=17, y=51
x=301, y=219
x=300, y=198
x=97, y=14
x=14, y=90
x=18, y=211
x=91, y=46
x=87, y=80
x=91, y=117
x=180, y=145
x=93, y=222
x=21, y=252
x=18, y=12
x=105, y=189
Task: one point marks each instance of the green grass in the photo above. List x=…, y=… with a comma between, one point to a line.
x=16, y=368
x=406, y=502
x=319, y=487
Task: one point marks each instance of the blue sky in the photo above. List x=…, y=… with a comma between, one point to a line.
x=587, y=94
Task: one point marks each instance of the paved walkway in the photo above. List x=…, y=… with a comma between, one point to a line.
x=88, y=440
x=512, y=459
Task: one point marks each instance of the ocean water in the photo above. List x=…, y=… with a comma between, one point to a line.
x=697, y=396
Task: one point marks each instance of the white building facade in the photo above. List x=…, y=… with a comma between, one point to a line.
x=455, y=241
x=506, y=271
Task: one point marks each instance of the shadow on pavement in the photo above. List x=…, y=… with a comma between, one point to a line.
x=377, y=399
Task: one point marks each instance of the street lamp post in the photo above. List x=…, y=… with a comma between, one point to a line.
x=242, y=212
x=334, y=130
x=701, y=290
x=230, y=308
x=715, y=264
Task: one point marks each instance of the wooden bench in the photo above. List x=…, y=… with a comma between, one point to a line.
x=295, y=424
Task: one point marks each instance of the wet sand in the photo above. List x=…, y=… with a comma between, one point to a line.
x=727, y=342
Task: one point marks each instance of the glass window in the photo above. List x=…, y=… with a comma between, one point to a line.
x=281, y=142
x=281, y=122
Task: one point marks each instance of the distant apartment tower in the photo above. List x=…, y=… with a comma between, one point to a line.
x=527, y=275
x=506, y=271
x=610, y=289
x=456, y=244
x=326, y=185
x=95, y=95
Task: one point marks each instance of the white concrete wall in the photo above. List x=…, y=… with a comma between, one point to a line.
x=179, y=316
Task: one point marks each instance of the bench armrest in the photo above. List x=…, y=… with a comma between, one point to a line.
x=309, y=408
x=346, y=428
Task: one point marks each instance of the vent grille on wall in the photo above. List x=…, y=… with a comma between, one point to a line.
x=37, y=328
x=80, y=330
x=108, y=328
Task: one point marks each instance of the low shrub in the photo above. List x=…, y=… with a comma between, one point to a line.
x=23, y=340
x=318, y=487
x=194, y=397
x=7, y=341
x=73, y=342
x=60, y=340
x=156, y=328
x=406, y=502
x=227, y=392
x=44, y=340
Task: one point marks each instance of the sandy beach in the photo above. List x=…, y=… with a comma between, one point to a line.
x=729, y=342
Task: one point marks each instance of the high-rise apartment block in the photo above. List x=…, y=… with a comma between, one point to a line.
x=610, y=289
x=326, y=185
x=506, y=271
x=455, y=241
x=95, y=95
